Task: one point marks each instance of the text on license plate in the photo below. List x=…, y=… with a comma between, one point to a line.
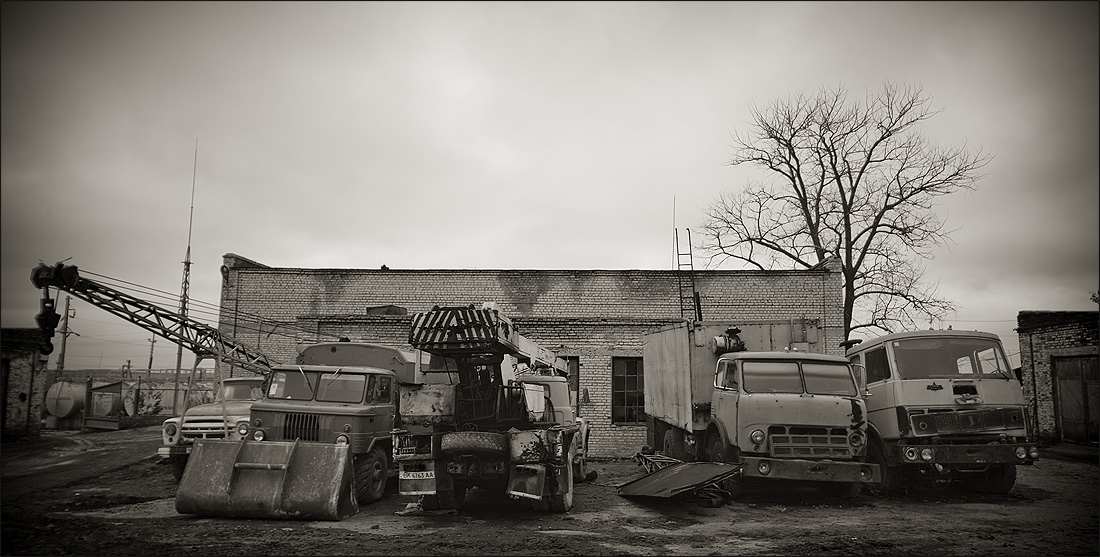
x=422, y=475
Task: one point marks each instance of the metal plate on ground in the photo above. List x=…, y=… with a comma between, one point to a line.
x=678, y=478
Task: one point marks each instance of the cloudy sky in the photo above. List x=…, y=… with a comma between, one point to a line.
x=504, y=136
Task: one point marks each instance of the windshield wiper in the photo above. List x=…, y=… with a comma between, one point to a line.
x=306, y=378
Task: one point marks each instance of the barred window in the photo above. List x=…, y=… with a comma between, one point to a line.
x=627, y=391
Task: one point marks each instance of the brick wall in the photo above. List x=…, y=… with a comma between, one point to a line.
x=1045, y=336
x=25, y=388
x=592, y=314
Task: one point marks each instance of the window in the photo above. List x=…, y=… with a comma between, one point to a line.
x=384, y=390
x=878, y=368
x=296, y=385
x=336, y=387
x=828, y=379
x=627, y=392
x=771, y=377
x=574, y=365
x=727, y=375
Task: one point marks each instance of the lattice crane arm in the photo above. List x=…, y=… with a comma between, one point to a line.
x=201, y=339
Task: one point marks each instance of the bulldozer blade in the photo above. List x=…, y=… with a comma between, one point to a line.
x=267, y=479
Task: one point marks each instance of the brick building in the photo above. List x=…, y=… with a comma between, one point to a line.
x=1058, y=363
x=23, y=383
x=594, y=319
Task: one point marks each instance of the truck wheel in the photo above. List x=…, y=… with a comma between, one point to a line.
x=562, y=502
x=998, y=478
x=178, y=464
x=842, y=490
x=474, y=441
x=370, y=476
x=445, y=500
x=890, y=476
x=667, y=443
x=716, y=451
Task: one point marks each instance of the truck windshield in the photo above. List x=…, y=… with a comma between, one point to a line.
x=294, y=385
x=341, y=387
x=240, y=391
x=927, y=358
x=785, y=377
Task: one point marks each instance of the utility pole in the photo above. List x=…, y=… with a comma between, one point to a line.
x=186, y=281
x=149, y=373
x=65, y=332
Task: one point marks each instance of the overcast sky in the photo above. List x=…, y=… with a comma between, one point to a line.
x=504, y=136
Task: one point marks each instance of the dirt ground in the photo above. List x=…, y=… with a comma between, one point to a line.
x=104, y=494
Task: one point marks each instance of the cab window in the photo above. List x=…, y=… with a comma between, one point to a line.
x=729, y=375
x=384, y=390
x=878, y=367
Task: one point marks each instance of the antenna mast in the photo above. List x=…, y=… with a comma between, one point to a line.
x=186, y=280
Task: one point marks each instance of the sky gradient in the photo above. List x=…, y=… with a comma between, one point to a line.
x=505, y=136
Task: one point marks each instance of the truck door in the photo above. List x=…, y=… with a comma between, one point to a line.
x=727, y=393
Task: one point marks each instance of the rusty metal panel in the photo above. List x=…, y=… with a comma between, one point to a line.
x=528, y=446
x=678, y=478
x=427, y=404
x=278, y=480
x=668, y=375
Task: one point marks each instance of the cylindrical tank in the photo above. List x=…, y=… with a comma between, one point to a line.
x=65, y=398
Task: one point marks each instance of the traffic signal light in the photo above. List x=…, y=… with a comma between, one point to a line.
x=47, y=320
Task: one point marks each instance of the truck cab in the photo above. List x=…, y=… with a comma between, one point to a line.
x=944, y=405
x=220, y=419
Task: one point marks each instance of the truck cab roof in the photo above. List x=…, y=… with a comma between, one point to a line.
x=810, y=356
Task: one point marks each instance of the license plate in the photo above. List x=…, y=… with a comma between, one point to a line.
x=410, y=475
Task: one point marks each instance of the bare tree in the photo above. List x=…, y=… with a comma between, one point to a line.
x=851, y=180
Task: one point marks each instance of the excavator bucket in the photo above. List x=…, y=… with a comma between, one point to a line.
x=267, y=479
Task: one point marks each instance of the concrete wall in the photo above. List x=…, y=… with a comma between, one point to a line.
x=24, y=391
x=1044, y=336
x=595, y=315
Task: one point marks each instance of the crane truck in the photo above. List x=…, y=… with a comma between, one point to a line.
x=507, y=426
x=779, y=414
x=233, y=397
x=944, y=405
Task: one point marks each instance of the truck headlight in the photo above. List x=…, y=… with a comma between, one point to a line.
x=1033, y=452
x=757, y=436
x=170, y=430
x=342, y=440
x=242, y=429
x=856, y=439
x=911, y=453
x=927, y=455
x=764, y=467
x=258, y=435
x=1021, y=453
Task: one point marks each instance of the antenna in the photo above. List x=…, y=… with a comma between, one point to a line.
x=186, y=281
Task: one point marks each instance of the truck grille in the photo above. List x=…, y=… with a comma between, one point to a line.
x=306, y=427
x=809, y=442
x=203, y=429
x=967, y=421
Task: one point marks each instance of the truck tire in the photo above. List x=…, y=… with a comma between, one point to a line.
x=841, y=490
x=445, y=500
x=667, y=444
x=890, y=476
x=370, y=476
x=563, y=502
x=998, y=479
x=178, y=464
x=716, y=451
x=474, y=442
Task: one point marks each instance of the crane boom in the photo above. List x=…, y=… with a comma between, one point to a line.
x=203, y=340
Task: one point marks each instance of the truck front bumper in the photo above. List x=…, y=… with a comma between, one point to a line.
x=173, y=451
x=812, y=470
x=977, y=455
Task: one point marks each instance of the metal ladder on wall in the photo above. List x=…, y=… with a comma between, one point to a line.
x=690, y=308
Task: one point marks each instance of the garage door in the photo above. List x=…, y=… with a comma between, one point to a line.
x=1077, y=398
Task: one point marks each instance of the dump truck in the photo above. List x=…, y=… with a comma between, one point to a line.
x=317, y=445
x=944, y=405
x=221, y=419
x=778, y=414
x=507, y=426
